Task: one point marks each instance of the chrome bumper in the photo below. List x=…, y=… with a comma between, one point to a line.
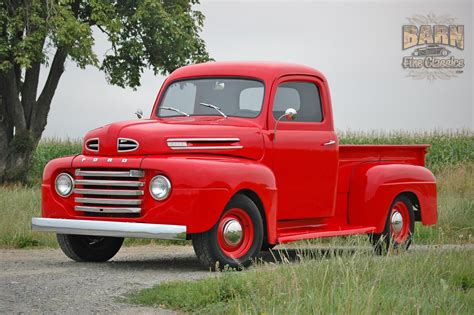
x=109, y=228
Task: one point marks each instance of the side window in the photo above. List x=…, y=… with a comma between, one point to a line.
x=302, y=96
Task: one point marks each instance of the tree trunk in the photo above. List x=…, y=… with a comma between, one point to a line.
x=23, y=116
x=16, y=154
x=16, y=149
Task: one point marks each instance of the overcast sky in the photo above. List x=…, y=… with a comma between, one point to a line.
x=357, y=45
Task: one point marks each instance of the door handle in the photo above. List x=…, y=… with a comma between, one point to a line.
x=330, y=142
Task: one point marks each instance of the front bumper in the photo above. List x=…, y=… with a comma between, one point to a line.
x=109, y=228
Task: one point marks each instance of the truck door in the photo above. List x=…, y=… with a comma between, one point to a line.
x=305, y=150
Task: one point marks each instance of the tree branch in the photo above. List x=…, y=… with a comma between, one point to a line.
x=75, y=6
x=29, y=90
x=19, y=82
x=4, y=115
x=17, y=67
x=40, y=111
x=114, y=48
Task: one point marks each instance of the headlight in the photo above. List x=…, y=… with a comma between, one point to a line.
x=160, y=187
x=64, y=184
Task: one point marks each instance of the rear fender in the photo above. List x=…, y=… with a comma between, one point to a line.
x=374, y=187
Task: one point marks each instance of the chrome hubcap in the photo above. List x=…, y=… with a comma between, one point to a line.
x=397, y=221
x=232, y=232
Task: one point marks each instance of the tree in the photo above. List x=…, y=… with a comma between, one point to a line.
x=157, y=34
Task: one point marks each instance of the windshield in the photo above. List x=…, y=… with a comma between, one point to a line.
x=232, y=97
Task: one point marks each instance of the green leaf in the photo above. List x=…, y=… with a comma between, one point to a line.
x=143, y=34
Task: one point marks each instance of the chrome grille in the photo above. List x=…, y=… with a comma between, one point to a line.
x=92, y=145
x=115, y=183
x=109, y=191
x=126, y=145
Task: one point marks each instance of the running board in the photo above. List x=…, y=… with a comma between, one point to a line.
x=306, y=235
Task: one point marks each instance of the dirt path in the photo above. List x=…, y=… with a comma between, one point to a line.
x=45, y=281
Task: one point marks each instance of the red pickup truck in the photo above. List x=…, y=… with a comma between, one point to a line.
x=237, y=157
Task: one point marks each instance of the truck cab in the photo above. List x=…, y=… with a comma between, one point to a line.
x=238, y=157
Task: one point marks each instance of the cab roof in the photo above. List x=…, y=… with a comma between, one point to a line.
x=257, y=69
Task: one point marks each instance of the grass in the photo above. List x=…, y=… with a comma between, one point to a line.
x=17, y=206
x=451, y=158
x=349, y=283
x=455, y=208
x=46, y=151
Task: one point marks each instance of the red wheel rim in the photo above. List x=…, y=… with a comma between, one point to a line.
x=232, y=243
x=400, y=222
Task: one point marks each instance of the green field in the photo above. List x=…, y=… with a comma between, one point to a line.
x=351, y=282
x=451, y=158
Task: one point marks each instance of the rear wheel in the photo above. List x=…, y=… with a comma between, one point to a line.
x=267, y=247
x=399, y=227
x=84, y=248
x=235, y=239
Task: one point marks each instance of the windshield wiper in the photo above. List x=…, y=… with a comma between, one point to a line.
x=175, y=110
x=214, y=107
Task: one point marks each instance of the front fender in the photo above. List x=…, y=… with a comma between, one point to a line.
x=374, y=187
x=202, y=186
x=50, y=201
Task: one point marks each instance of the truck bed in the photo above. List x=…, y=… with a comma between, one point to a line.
x=352, y=156
x=404, y=154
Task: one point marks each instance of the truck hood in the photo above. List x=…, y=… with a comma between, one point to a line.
x=193, y=135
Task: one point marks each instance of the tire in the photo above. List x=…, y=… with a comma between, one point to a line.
x=83, y=248
x=216, y=251
x=267, y=247
x=394, y=236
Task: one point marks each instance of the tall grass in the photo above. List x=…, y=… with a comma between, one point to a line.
x=455, y=207
x=17, y=206
x=50, y=149
x=351, y=282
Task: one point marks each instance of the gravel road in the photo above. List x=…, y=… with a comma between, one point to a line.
x=44, y=281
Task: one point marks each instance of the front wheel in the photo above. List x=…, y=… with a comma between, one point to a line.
x=235, y=239
x=84, y=248
x=399, y=227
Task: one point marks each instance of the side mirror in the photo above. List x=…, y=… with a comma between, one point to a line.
x=290, y=114
x=139, y=113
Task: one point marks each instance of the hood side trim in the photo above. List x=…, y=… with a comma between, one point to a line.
x=205, y=139
x=182, y=143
